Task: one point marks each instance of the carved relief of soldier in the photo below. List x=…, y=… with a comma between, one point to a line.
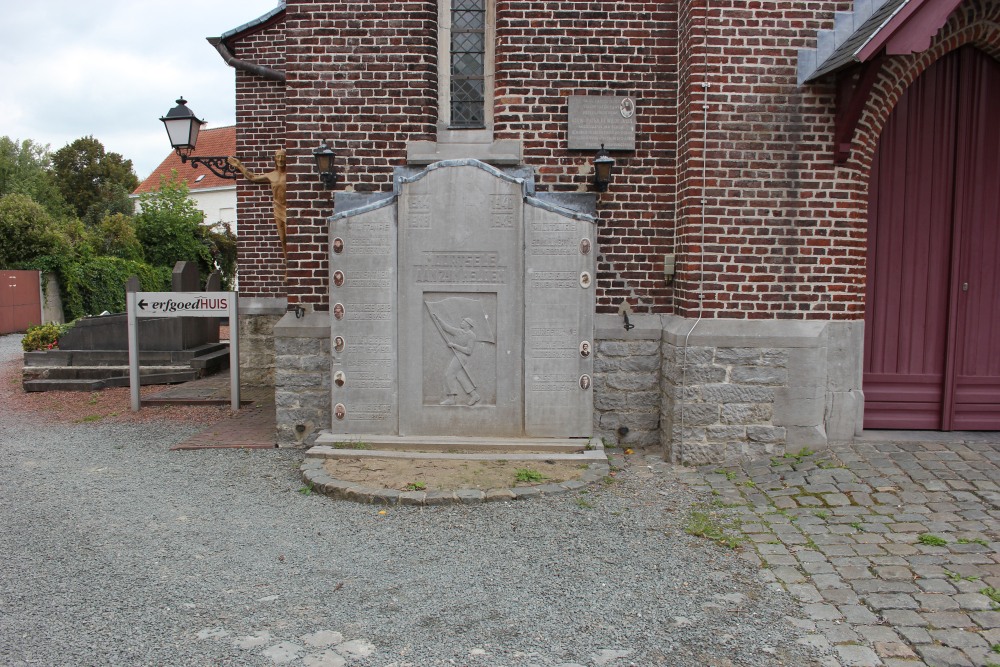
x=462, y=341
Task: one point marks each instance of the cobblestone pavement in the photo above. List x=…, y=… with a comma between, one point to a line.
x=892, y=548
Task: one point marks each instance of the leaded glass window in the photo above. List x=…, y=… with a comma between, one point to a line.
x=468, y=63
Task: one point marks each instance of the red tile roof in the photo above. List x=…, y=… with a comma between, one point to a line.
x=215, y=141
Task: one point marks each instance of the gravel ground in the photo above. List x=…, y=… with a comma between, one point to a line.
x=120, y=552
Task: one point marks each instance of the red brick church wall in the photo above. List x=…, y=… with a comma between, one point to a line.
x=733, y=168
x=260, y=130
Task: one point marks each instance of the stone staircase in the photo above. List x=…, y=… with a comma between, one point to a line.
x=90, y=370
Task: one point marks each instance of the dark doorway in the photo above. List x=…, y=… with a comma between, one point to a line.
x=932, y=318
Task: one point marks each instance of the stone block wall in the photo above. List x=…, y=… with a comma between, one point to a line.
x=301, y=378
x=755, y=389
x=257, y=319
x=627, y=381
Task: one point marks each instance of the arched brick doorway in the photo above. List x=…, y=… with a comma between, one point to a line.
x=932, y=318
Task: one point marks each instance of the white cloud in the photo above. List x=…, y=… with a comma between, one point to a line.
x=111, y=69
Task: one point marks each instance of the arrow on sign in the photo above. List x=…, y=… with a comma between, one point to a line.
x=142, y=304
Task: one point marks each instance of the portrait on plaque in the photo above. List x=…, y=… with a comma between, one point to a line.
x=585, y=247
x=339, y=378
x=338, y=245
x=338, y=311
x=338, y=343
x=585, y=382
x=584, y=279
x=340, y=411
x=585, y=349
x=338, y=278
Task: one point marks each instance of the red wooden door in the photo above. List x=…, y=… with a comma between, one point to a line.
x=20, y=301
x=932, y=318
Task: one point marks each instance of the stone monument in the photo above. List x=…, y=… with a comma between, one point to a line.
x=462, y=305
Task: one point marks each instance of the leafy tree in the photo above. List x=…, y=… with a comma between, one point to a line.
x=89, y=177
x=27, y=232
x=222, y=243
x=116, y=237
x=171, y=229
x=24, y=169
x=116, y=201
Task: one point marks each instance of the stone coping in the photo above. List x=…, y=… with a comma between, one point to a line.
x=314, y=475
x=310, y=325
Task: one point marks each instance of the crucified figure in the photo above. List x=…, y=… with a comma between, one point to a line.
x=276, y=179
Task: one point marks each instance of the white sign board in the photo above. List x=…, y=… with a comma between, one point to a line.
x=183, y=304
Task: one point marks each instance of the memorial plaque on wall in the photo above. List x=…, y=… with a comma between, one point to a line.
x=460, y=297
x=363, y=323
x=598, y=119
x=559, y=324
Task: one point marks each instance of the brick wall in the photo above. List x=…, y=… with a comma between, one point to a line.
x=364, y=76
x=733, y=168
x=548, y=51
x=361, y=75
x=777, y=237
x=260, y=130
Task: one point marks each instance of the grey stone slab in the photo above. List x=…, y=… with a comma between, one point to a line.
x=363, y=323
x=559, y=304
x=882, y=601
x=460, y=296
x=601, y=120
x=858, y=656
x=942, y=656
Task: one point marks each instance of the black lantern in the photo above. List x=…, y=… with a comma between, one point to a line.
x=603, y=164
x=325, y=156
x=182, y=128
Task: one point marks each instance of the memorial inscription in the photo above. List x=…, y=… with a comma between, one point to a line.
x=600, y=119
x=471, y=316
x=460, y=289
x=362, y=277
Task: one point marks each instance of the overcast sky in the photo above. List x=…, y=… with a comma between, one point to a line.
x=111, y=68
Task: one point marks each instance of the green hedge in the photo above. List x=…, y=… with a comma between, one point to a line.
x=96, y=284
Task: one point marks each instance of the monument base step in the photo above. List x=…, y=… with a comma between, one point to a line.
x=458, y=445
x=323, y=451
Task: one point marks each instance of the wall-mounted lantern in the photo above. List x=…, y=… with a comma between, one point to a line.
x=182, y=128
x=325, y=156
x=603, y=164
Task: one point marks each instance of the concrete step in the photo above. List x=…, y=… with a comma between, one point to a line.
x=100, y=372
x=172, y=377
x=327, y=452
x=62, y=385
x=186, y=356
x=451, y=448
x=95, y=378
x=455, y=444
x=212, y=361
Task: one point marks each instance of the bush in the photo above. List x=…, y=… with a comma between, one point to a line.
x=27, y=231
x=43, y=336
x=98, y=284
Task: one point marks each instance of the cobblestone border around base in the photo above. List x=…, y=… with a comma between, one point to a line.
x=318, y=480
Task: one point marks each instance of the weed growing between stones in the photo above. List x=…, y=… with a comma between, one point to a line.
x=351, y=444
x=528, y=475
x=993, y=594
x=932, y=540
x=980, y=541
x=707, y=524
